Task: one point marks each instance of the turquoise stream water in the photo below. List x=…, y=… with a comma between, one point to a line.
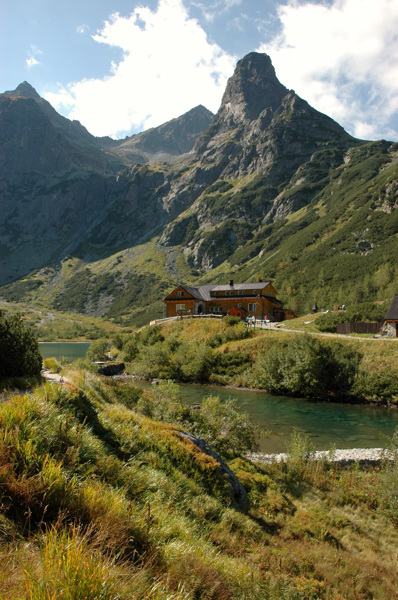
x=328, y=424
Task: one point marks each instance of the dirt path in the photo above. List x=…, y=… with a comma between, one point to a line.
x=54, y=377
x=336, y=336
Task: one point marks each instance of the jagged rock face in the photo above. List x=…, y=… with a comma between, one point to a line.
x=252, y=90
x=31, y=144
x=173, y=139
x=264, y=129
x=25, y=90
x=263, y=126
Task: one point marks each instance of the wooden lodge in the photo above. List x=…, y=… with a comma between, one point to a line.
x=245, y=300
x=391, y=319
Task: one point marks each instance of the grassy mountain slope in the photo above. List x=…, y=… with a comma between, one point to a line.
x=102, y=501
x=340, y=247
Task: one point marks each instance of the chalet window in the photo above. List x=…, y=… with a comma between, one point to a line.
x=180, y=307
x=252, y=307
x=239, y=304
x=180, y=293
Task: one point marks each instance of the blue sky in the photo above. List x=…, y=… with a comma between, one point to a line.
x=122, y=66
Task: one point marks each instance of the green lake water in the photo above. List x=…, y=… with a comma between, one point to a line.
x=69, y=350
x=327, y=424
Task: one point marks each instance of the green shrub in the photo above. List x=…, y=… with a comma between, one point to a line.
x=192, y=362
x=98, y=350
x=153, y=361
x=19, y=350
x=150, y=336
x=228, y=430
x=130, y=349
x=300, y=451
x=231, y=320
x=305, y=366
x=230, y=363
x=164, y=403
x=365, y=311
x=52, y=365
x=329, y=321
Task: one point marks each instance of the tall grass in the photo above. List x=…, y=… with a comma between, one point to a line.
x=100, y=501
x=70, y=568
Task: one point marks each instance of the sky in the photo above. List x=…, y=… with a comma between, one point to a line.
x=123, y=66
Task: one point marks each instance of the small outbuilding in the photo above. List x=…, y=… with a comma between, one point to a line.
x=237, y=312
x=391, y=318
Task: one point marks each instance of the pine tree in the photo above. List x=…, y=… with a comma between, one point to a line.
x=19, y=349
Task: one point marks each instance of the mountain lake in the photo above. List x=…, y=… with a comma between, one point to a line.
x=328, y=424
x=69, y=350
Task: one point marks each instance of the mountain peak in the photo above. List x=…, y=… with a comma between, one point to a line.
x=252, y=88
x=25, y=90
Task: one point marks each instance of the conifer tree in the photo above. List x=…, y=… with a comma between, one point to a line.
x=19, y=349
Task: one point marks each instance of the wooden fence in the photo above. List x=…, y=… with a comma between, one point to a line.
x=358, y=327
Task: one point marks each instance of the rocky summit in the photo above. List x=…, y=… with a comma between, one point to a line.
x=268, y=187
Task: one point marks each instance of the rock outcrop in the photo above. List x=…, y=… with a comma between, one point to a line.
x=238, y=492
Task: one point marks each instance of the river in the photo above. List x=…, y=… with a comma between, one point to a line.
x=327, y=424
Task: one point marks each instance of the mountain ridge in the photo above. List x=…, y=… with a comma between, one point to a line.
x=247, y=192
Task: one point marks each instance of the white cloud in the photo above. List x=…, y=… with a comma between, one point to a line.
x=216, y=8
x=32, y=59
x=342, y=58
x=168, y=67
x=82, y=28
x=31, y=62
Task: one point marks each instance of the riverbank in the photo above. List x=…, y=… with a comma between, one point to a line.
x=343, y=456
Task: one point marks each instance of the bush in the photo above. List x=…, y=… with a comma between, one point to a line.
x=130, y=350
x=52, y=365
x=236, y=330
x=365, y=311
x=329, y=321
x=224, y=427
x=150, y=336
x=192, y=362
x=153, y=361
x=164, y=403
x=378, y=387
x=231, y=363
x=231, y=320
x=19, y=349
x=98, y=350
x=304, y=366
x=300, y=451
